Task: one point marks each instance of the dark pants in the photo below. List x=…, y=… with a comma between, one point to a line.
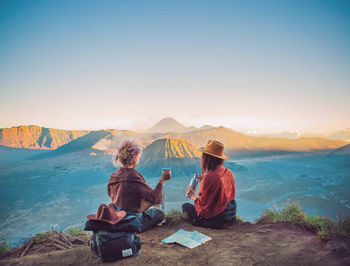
x=151, y=218
x=223, y=219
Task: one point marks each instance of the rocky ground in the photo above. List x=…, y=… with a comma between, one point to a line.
x=240, y=244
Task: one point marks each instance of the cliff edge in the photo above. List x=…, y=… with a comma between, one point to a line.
x=241, y=244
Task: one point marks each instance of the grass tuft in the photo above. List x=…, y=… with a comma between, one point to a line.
x=174, y=216
x=72, y=231
x=40, y=237
x=342, y=226
x=4, y=247
x=323, y=226
x=239, y=218
x=292, y=212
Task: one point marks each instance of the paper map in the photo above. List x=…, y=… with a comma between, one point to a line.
x=187, y=238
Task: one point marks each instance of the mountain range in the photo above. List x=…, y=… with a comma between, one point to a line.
x=294, y=134
x=341, y=135
x=173, y=140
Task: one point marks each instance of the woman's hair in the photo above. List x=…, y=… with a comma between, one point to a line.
x=127, y=154
x=210, y=163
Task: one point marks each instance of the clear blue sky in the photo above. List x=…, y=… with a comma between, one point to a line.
x=272, y=65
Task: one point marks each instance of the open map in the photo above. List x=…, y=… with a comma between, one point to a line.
x=187, y=238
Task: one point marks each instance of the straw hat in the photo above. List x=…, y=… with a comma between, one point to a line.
x=214, y=148
x=107, y=214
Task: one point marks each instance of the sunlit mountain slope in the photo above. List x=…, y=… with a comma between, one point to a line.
x=35, y=137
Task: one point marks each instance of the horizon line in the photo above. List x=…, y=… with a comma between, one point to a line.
x=252, y=132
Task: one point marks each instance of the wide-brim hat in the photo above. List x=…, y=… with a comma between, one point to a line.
x=107, y=214
x=214, y=148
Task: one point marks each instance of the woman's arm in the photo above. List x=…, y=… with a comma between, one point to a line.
x=154, y=196
x=191, y=193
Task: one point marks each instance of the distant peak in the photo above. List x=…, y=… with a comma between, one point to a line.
x=168, y=118
x=167, y=124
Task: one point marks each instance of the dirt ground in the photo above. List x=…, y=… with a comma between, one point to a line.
x=240, y=244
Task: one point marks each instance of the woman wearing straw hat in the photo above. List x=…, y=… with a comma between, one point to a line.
x=215, y=206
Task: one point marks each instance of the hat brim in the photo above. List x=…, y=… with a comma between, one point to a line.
x=224, y=157
x=120, y=216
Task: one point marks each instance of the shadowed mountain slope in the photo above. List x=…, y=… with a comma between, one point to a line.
x=344, y=150
x=85, y=142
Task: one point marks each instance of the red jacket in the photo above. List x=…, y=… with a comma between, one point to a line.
x=216, y=191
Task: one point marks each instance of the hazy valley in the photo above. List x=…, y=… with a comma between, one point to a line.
x=63, y=176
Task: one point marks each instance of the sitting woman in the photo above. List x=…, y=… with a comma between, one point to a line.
x=215, y=206
x=129, y=191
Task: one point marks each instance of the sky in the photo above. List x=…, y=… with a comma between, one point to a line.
x=248, y=65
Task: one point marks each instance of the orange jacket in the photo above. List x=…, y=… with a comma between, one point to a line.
x=216, y=191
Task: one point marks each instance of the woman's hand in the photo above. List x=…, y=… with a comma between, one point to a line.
x=199, y=178
x=165, y=176
x=191, y=193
